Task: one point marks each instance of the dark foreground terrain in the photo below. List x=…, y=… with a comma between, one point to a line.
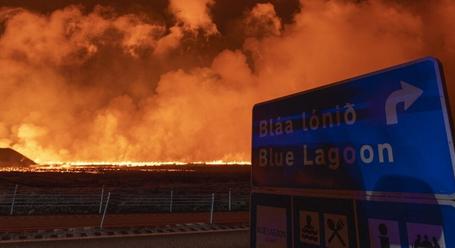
x=111, y=206
x=228, y=239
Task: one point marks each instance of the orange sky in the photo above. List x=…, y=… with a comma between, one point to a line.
x=176, y=80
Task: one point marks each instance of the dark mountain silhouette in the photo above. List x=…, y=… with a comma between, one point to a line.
x=12, y=158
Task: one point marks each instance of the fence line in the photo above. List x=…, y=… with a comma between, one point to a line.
x=89, y=201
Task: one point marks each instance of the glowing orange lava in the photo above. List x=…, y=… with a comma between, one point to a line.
x=99, y=166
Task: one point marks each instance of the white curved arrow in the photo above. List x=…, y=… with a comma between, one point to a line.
x=407, y=94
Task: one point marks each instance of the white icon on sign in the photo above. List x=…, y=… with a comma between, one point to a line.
x=408, y=94
x=336, y=231
x=271, y=227
x=309, y=228
x=425, y=236
x=384, y=233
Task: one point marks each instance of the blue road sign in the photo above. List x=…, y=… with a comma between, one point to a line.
x=378, y=132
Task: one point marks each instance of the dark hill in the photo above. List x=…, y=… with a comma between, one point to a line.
x=12, y=158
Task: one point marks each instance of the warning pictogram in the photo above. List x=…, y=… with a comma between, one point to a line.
x=336, y=231
x=309, y=228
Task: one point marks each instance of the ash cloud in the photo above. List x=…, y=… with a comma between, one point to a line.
x=95, y=83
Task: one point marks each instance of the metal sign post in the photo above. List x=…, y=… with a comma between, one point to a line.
x=105, y=209
x=13, y=201
x=212, y=208
x=171, y=200
x=229, y=200
x=101, y=200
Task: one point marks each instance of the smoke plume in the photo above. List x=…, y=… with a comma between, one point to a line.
x=96, y=83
